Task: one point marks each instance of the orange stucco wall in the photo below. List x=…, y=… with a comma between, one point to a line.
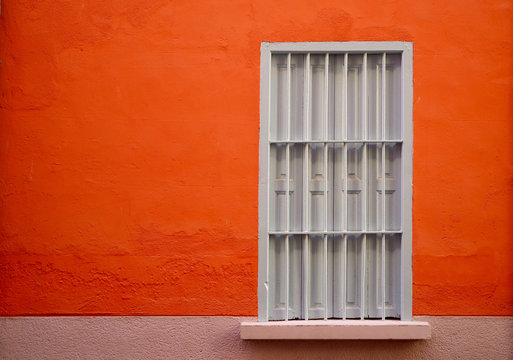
x=129, y=150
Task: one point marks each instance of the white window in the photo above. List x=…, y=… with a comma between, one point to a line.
x=335, y=181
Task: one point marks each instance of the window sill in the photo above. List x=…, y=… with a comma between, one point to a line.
x=335, y=330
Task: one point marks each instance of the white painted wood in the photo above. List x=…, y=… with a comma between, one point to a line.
x=276, y=278
x=306, y=277
x=344, y=278
x=263, y=182
x=297, y=97
x=353, y=276
x=306, y=207
x=337, y=171
x=406, y=180
x=359, y=141
x=383, y=277
x=354, y=187
x=393, y=186
x=349, y=232
x=325, y=173
x=355, y=97
x=334, y=47
x=345, y=246
x=278, y=186
x=372, y=276
x=295, y=277
x=296, y=187
x=316, y=187
x=393, y=103
x=393, y=294
x=363, y=277
x=338, y=288
x=294, y=172
x=287, y=277
x=373, y=195
x=316, y=265
x=383, y=182
x=325, y=278
x=316, y=96
x=287, y=245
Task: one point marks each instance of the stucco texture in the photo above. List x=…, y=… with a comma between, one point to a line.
x=218, y=338
x=129, y=151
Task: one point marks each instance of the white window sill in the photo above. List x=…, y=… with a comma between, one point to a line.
x=335, y=330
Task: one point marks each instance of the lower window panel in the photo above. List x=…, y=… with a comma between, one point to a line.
x=342, y=276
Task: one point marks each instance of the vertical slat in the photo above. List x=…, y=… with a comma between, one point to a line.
x=268, y=195
x=364, y=162
x=383, y=281
x=306, y=182
x=325, y=157
x=362, y=277
x=378, y=122
x=326, y=97
x=344, y=127
x=344, y=276
x=325, y=172
x=363, y=299
x=383, y=181
x=344, y=264
x=378, y=119
x=325, y=271
x=287, y=276
x=306, y=243
x=287, y=226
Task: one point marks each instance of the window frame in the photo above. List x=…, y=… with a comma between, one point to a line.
x=406, y=51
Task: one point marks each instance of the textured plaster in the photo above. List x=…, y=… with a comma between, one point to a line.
x=129, y=150
x=218, y=338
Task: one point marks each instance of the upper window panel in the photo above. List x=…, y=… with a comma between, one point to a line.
x=335, y=98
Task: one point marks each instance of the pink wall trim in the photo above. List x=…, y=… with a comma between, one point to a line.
x=335, y=330
x=166, y=337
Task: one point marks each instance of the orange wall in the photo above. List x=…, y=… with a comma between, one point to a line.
x=129, y=150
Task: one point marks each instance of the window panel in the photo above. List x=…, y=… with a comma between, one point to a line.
x=355, y=97
x=374, y=96
x=316, y=187
x=296, y=187
x=335, y=168
x=317, y=97
x=354, y=186
x=278, y=277
x=278, y=186
x=339, y=275
x=316, y=276
x=374, y=206
x=295, y=277
x=393, y=111
x=279, y=91
x=338, y=198
x=337, y=108
x=354, y=276
x=393, y=275
x=297, y=96
x=392, y=187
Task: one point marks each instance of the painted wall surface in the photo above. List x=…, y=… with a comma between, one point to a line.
x=129, y=150
x=176, y=337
